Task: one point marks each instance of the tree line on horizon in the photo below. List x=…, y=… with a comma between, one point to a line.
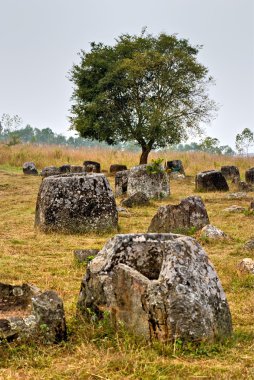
x=12, y=133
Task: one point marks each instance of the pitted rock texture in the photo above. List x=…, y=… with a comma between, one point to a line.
x=49, y=171
x=30, y=168
x=161, y=286
x=92, y=166
x=231, y=172
x=153, y=185
x=190, y=212
x=246, y=266
x=76, y=203
x=137, y=199
x=117, y=168
x=175, y=166
x=27, y=312
x=249, y=175
x=213, y=232
x=211, y=180
x=121, y=182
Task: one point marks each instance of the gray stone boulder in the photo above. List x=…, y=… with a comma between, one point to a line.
x=76, y=203
x=246, y=266
x=189, y=213
x=234, y=208
x=117, y=168
x=160, y=286
x=239, y=195
x=137, y=199
x=249, y=245
x=211, y=180
x=66, y=168
x=49, y=171
x=243, y=186
x=84, y=255
x=76, y=169
x=29, y=168
x=175, y=166
x=249, y=175
x=25, y=312
x=121, y=182
x=213, y=232
x=231, y=172
x=153, y=185
x=92, y=166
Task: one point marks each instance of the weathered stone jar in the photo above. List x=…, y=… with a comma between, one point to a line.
x=161, y=286
x=211, y=180
x=152, y=185
x=76, y=203
x=249, y=175
x=26, y=312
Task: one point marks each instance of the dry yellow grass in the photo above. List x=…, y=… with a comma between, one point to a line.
x=46, y=260
x=15, y=156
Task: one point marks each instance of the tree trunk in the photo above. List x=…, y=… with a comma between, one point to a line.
x=144, y=155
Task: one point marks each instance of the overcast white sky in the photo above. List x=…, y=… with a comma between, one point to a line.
x=40, y=39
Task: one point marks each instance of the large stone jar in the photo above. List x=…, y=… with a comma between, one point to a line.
x=76, y=203
x=160, y=286
x=152, y=185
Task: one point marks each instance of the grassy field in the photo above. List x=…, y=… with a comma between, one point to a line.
x=46, y=260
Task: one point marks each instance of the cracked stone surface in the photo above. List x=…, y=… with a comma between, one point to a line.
x=190, y=212
x=76, y=203
x=25, y=311
x=211, y=180
x=152, y=185
x=213, y=232
x=161, y=286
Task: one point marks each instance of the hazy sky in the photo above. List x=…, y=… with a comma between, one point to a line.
x=40, y=39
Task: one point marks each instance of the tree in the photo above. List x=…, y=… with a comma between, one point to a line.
x=244, y=140
x=210, y=145
x=146, y=89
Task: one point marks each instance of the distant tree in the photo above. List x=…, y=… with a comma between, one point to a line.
x=227, y=150
x=244, y=141
x=10, y=123
x=210, y=145
x=146, y=89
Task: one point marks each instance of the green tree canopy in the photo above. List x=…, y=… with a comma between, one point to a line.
x=146, y=89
